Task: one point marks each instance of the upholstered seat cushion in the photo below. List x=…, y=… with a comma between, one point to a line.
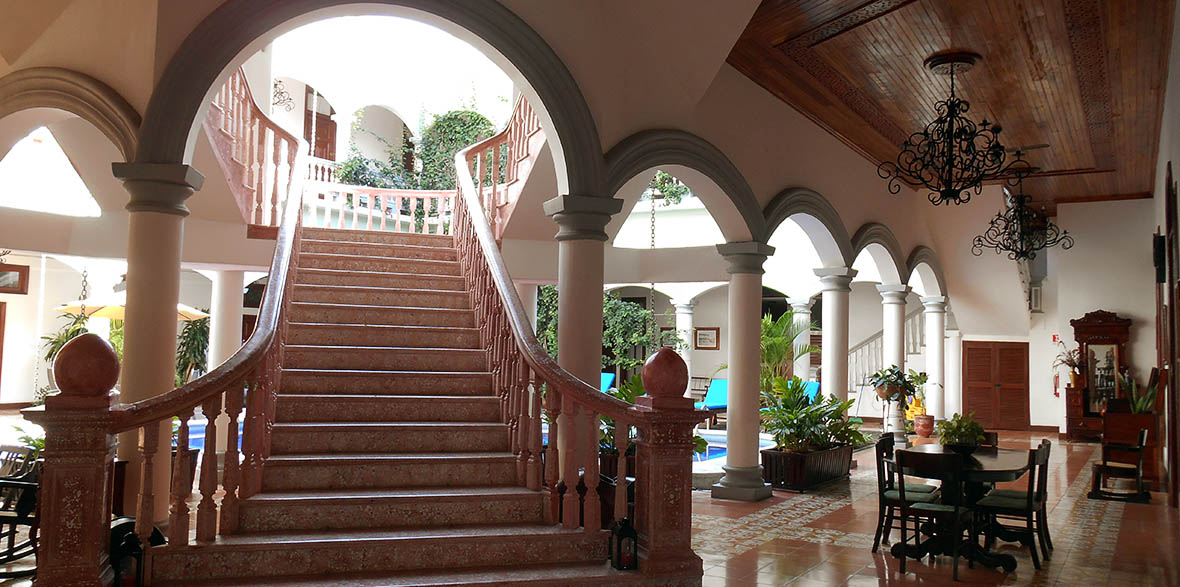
x=920, y=488
x=1010, y=493
x=1007, y=502
x=923, y=497
x=939, y=509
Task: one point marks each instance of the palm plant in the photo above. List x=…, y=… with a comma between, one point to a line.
x=75, y=326
x=779, y=349
x=192, y=350
x=800, y=424
x=1142, y=402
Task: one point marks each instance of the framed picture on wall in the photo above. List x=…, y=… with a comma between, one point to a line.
x=14, y=279
x=707, y=338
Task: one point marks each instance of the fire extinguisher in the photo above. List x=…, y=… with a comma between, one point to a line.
x=1056, y=384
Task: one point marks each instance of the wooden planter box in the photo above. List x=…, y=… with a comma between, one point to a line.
x=802, y=471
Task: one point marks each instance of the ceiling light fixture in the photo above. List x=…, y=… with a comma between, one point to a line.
x=1020, y=230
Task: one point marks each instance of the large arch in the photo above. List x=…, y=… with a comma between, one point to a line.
x=235, y=29
x=76, y=93
x=652, y=148
x=818, y=218
x=923, y=264
x=878, y=241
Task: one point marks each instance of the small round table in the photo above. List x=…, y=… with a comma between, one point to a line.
x=985, y=465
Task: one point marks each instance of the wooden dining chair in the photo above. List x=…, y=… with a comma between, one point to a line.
x=888, y=497
x=1026, y=507
x=951, y=517
x=1042, y=521
x=1119, y=469
x=990, y=440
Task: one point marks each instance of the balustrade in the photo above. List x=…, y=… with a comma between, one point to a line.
x=334, y=205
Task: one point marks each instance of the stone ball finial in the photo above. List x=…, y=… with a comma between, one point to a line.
x=665, y=375
x=87, y=366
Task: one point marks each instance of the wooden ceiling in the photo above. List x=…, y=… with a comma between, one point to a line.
x=1085, y=76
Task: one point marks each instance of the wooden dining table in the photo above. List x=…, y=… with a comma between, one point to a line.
x=984, y=466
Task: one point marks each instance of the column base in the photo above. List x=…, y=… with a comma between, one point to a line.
x=742, y=484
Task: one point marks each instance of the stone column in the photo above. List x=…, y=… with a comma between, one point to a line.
x=225, y=333
x=684, y=331
x=743, y=469
x=893, y=348
x=837, y=283
x=802, y=309
x=935, y=308
x=528, y=298
x=155, y=232
x=953, y=399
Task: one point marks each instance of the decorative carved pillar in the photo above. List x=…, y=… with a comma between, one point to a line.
x=953, y=400
x=663, y=485
x=893, y=348
x=79, y=455
x=935, y=308
x=743, y=469
x=802, y=309
x=837, y=283
x=155, y=233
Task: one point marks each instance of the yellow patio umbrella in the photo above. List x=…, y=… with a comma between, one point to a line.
x=113, y=306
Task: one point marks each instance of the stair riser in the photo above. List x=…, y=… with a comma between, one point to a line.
x=458, y=300
x=379, y=250
x=380, y=280
x=375, y=556
x=389, y=360
x=388, y=409
x=374, y=315
x=333, y=334
x=286, y=440
x=418, y=266
x=386, y=384
x=377, y=236
x=343, y=514
x=424, y=473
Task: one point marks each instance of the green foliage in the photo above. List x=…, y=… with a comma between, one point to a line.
x=799, y=424
x=960, y=429
x=1142, y=402
x=116, y=337
x=905, y=385
x=448, y=134
x=625, y=326
x=778, y=348
x=192, y=350
x=672, y=190
x=547, y=318
x=1070, y=358
x=37, y=443
x=360, y=170
x=628, y=391
x=75, y=326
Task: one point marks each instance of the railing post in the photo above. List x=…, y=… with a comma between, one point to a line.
x=663, y=482
x=79, y=456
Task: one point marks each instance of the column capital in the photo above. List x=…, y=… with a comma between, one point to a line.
x=582, y=217
x=893, y=294
x=158, y=187
x=954, y=333
x=934, y=304
x=836, y=278
x=684, y=307
x=800, y=305
x=745, y=256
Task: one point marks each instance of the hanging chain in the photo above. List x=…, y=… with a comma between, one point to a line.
x=651, y=291
x=85, y=292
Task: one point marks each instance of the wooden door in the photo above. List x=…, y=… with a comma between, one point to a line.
x=995, y=384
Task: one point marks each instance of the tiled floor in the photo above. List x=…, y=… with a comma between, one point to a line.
x=825, y=537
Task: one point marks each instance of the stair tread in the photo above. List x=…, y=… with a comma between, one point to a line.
x=334, y=536
x=385, y=372
x=364, y=347
x=409, y=492
x=376, y=306
x=373, y=244
x=461, y=329
x=402, y=424
x=374, y=288
x=386, y=398
x=297, y=458
x=372, y=257
x=598, y=573
x=370, y=272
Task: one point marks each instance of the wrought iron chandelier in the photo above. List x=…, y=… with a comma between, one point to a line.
x=1020, y=230
x=952, y=156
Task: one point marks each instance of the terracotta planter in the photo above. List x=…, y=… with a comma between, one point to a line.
x=887, y=391
x=924, y=425
x=802, y=471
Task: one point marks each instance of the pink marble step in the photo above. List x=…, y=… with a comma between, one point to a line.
x=337, y=381
x=404, y=251
x=377, y=236
x=593, y=573
x=365, y=263
x=386, y=408
x=388, y=437
x=314, y=276
x=382, y=335
x=389, y=508
x=382, y=296
x=352, y=471
x=385, y=358
x=393, y=315
x=311, y=553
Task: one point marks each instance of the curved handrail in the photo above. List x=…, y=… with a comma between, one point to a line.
x=248, y=357
x=534, y=354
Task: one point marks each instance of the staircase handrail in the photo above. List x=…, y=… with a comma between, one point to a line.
x=514, y=138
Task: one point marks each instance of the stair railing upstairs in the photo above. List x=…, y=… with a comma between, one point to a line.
x=80, y=424
x=528, y=380
x=253, y=151
x=503, y=159
x=337, y=205
x=867, y=357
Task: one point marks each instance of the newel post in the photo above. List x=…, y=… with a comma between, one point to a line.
x=79, y=455
x=663, y=491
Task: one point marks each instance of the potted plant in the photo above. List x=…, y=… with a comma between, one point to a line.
x=960, y=433
x=813, y=438
x=1072, y=359
x=1122, y=426
x=896, y=386
x=608, y=452
x=923, y=422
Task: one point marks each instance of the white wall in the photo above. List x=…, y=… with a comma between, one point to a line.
x=375, y=122
x=712, y=309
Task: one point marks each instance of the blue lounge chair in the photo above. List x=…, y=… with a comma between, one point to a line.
x=717, y=398
x=811, y=388
x=608, y=379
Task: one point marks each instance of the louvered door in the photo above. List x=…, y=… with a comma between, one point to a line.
x=995, y=384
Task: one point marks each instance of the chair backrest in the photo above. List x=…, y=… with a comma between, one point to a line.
x=718, y=394
x=14, y=460
x=991, y=439
x=884, y=458
x=947, y=467
x=1043, y=470
x=811, y=388
x=607, y=380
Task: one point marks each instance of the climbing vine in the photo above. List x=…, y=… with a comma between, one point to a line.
x=670, y=187
x=448, y=134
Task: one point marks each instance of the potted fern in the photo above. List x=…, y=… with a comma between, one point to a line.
x=813, y=437
x=960, y=433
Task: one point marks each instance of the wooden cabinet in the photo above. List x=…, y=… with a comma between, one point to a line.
x=995, y=384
